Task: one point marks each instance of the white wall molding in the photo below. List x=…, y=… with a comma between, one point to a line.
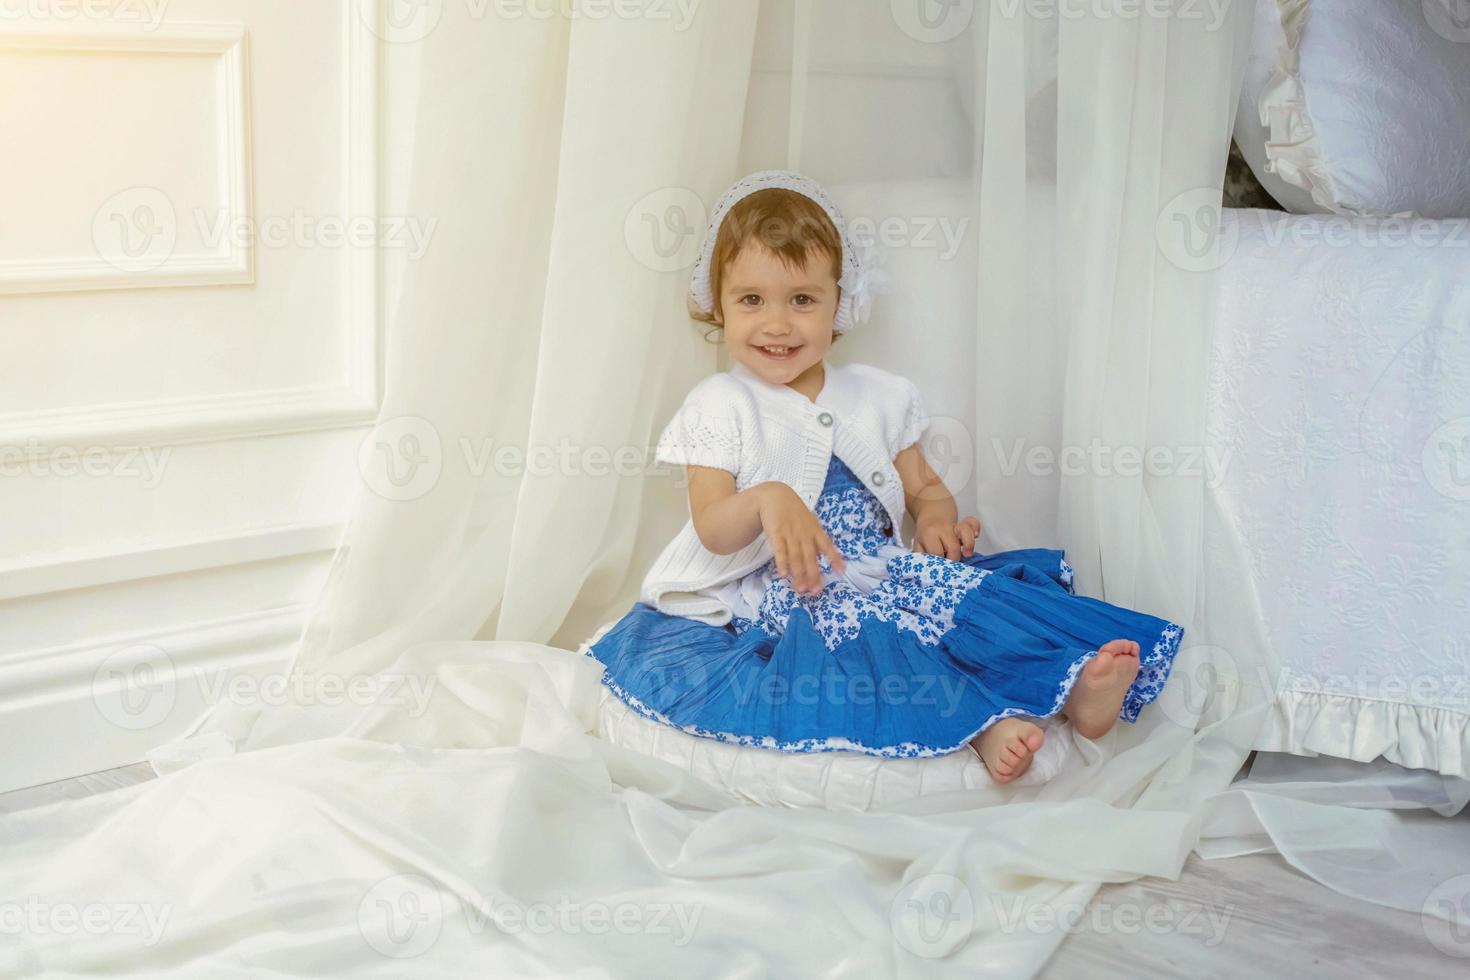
x=232, y=263
x=59, y=573
x=181, y=421
x=59, y=708
x=48, y=673
x=364, y=300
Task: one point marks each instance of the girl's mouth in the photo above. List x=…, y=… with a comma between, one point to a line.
x=776, y=352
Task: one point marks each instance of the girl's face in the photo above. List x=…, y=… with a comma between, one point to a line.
x=778, y=321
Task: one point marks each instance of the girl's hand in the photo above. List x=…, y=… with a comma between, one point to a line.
x=953, y=541
x=796, y=538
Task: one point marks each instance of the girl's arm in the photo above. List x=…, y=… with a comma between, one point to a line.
x=937, y=528
x=727, y=520
x=724, y=519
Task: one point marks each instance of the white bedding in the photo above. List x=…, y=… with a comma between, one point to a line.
x=1339, y=402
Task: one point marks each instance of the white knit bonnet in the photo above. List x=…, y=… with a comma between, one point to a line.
x=860, y=276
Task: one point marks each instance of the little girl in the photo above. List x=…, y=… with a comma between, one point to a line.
x=789, y=613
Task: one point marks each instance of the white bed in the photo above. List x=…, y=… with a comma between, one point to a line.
x=1339, y=401
x=1340, y=390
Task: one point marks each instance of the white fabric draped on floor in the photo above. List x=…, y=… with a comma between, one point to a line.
x=465, y=821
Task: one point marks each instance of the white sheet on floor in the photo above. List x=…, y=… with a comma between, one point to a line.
x=485, y=830
x=1374, y=830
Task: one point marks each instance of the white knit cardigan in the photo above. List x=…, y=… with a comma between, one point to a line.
x=761, y=431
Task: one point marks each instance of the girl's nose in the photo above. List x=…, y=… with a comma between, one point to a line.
x=777, y=326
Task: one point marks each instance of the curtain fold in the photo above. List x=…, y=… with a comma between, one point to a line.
x=507, y=489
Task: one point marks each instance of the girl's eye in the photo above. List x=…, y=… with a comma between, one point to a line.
x=750, y=296
x=804, y=296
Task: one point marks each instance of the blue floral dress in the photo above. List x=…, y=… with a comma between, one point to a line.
x=901, y=654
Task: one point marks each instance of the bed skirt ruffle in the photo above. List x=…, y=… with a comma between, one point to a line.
x=1361, y=729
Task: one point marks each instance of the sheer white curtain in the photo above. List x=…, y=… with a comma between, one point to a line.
x=506, y=489
x=568, y=159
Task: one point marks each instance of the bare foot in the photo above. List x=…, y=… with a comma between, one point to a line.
x=1097, y=697
x=1007, y=746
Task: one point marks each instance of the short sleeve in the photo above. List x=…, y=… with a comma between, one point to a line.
x=701, y=435
x=915, y=417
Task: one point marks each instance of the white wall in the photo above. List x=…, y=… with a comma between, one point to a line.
x=215, y=384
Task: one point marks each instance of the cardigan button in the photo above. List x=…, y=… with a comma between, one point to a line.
x=878, y=478
x=825, y=418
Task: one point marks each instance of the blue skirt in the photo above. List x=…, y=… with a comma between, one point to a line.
x=916, y=674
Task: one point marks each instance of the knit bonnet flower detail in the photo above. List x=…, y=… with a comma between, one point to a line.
x=861, y=276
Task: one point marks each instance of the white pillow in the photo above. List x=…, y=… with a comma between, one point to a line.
x=1360, y=106
x=833, y=780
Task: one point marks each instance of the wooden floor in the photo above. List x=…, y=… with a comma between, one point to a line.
x=1241, y=917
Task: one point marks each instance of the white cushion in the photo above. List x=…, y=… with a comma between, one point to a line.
x=1360, y=107
x=832, y=780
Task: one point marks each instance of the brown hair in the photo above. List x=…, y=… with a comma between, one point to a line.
x=785, y=222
